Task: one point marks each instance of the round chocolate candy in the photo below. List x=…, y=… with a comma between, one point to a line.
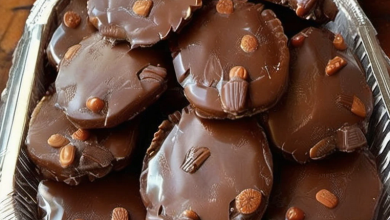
x=73, y=28
x=232, y=60
x=114, y=197
x=101, y=85
x=207, y=169
x=342, y=186
x=328, y=102
x=66, y=153
x=140, y=22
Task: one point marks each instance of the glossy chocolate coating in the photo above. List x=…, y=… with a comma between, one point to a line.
x=209, y=47
x=116, y=19
x=353, y=178
x=318, y=10
x=105, y=149
x=91, y=200
x=126, y=80
x=310, y=113
x=292, y=24
x=202, y=165
x=65, y=37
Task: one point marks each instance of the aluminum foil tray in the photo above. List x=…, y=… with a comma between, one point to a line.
x=29, y=76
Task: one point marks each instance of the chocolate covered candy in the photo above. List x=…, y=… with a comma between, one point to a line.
x=140, y=22
x=114, y=197
x=73, y=28
x=343, y=186
x=66, y=153
x=207, y=169
x=319, y=10
x=102, y=85
x=232, y=60
x=328, y=102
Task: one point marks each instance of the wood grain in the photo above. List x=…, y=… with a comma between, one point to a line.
x=13, y=14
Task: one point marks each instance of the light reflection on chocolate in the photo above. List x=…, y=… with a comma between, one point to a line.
x=104, y=150
x=239, y=159
x=95, y=200
x=319, y=109
x=65, y=37
x=210, y=47
x=352, y=178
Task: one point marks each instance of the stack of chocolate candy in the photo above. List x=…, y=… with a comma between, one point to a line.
x=122, y=62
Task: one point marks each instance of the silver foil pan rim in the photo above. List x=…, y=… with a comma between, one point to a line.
x=18, y=181
x=16, y=100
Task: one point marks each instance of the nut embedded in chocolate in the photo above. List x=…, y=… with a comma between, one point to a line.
x=94, y=21
x=295, y=213
x=248, y=201
x=194, y=158
x=327, y=198
x=67, y=155
x=189, y=215
x=335, y=65
x=153, y=73
x=354, y=104
x=234, y=95
x=249, y=43
x=225, y=7
x=72, y=51
x=142, y=7
x=323, y=148
x=339, y=42
x=113, y=31
x=350, y=138
x=358, y=107
x=57, y=140
x=300, y=11
x=95, y=104
x=120, y=214
x=71, y=19
x=81, y=134
x=238, y=71
x=298, y=40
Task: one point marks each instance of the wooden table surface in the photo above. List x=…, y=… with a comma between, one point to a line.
x=13, y=14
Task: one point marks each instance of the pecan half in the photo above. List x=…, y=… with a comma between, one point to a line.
x=335, y=65
x=57, y=140
x=248, y=201
x=327, y=198
x=142, y=7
